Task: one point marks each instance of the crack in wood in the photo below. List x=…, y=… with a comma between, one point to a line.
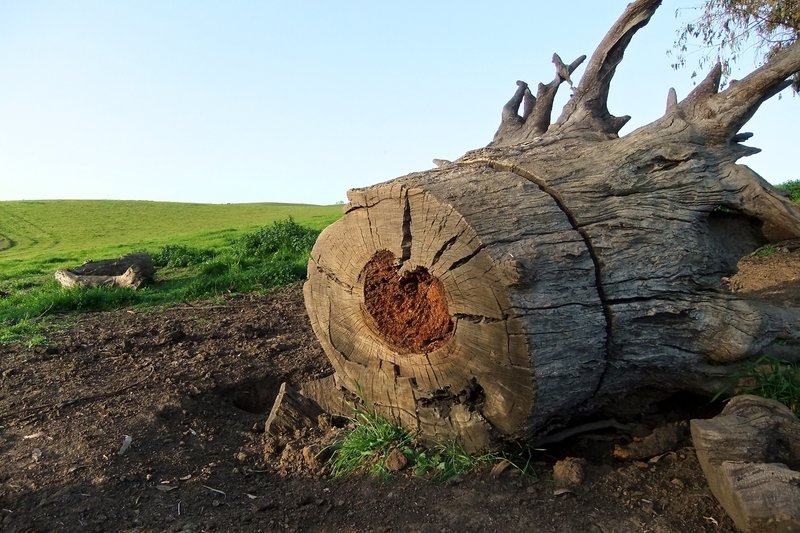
x=405, y=245
x=478, y=319
x=331, y=276
x=542, y=185
x=465, y=259
x=445, y=246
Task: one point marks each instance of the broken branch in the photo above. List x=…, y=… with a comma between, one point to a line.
x=588, y=107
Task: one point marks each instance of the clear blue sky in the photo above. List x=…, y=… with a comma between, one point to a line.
x=258, y=101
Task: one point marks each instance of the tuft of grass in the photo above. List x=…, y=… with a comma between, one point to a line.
x=180, y=255
x=766, y=251
x=366, y=446
x=793, y=188
x=768, y=377
x=773, y=378
x=28, y=331
x=447, y=460
x=284, y=239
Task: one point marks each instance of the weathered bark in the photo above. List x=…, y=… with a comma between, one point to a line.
x=559, y=268
x=750, y=455
x=130, y=272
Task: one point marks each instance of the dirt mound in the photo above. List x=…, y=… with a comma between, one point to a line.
x=191, y=386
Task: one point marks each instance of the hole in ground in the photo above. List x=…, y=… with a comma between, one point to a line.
x=255, y=395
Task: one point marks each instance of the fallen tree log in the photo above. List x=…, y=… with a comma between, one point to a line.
x=130, y=271
x=561, y=267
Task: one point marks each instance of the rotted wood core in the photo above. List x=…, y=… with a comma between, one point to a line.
x=408, y=308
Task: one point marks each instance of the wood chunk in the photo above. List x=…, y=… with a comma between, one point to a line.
x=327, y=393
x=291, y=411
x=663, y=439
x=747, y=453
x=130, y=271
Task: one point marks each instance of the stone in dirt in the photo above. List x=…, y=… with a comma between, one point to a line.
x=569, y=472
x=750, y=454
x=310, y=457
x=396, y=460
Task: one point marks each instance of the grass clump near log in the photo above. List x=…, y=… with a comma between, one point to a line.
x=775, y=379
x=263, y=258
x=371, y=441
x=768, y=377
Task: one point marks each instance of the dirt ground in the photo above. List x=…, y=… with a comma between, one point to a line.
x=191, y=384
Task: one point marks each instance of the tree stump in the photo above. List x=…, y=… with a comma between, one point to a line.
x=130, y=271
x=750, y=455
x=560, y=268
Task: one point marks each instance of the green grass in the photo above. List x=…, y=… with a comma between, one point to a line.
x=775, y=379
x=370, y=439
x=200, y=251
x=766, y=251
x=793, y=188
x=367, y=445
x=770, y=378
x=41, y=236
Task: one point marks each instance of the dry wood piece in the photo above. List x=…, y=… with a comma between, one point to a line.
x=561, y=267
x=130, y=271
x=330, y=396
x=663, y=439
x=291, y=411
x=748, y=454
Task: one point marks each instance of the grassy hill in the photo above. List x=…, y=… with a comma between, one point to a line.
x=59, y=233
x=200, y=250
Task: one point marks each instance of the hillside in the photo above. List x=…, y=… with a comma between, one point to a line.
x=38, y=236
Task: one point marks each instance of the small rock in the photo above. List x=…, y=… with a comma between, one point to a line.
x=396, y=461
x=37, y=454
x=569, y=472
x=271, y=446
x=678, y=483
x=241, y=457
x=260, y=507
x=310, y=457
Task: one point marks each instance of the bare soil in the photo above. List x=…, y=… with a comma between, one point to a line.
x=191, y=386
